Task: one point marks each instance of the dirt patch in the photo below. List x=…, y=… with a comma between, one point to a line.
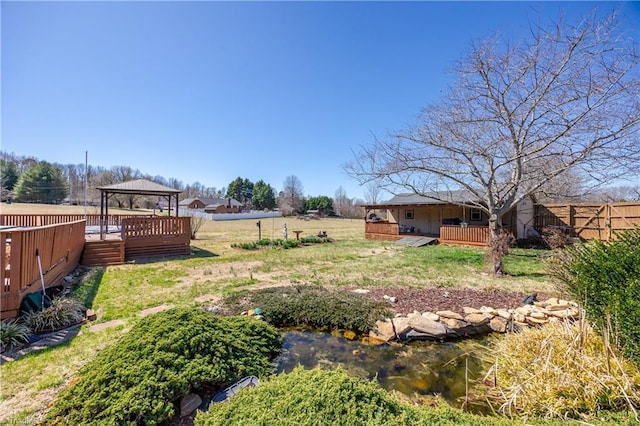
x=440, y=299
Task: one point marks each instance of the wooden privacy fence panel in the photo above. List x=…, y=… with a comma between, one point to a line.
x=588, y=221
x=156, y=236
x=59, y=246
x=30, y=220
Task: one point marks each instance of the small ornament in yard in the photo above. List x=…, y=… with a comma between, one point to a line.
x=285, y=234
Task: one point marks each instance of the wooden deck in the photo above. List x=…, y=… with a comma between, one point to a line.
x=63, y=246
x=449, y=234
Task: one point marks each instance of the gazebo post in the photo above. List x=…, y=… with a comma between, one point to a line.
x=101, y=215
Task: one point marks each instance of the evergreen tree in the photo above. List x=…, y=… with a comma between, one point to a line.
x=264, y=196
x=41, y=183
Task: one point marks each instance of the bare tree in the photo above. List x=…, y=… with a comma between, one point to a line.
x=372, y=192
x=291, y=198
x=518, y=116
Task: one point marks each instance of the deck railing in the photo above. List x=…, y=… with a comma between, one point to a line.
x=59, y=248
x=158, y=236
x=476, y=235
x=31, y=220
x=381, y=228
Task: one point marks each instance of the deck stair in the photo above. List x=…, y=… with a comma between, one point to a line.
x=103, y=253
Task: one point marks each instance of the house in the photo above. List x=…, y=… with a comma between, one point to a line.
x=213, y=205
x=430, y=215
x=224, y=205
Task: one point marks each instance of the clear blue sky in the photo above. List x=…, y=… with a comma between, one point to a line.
x=208, y=91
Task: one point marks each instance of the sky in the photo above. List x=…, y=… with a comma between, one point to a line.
x=207, y=91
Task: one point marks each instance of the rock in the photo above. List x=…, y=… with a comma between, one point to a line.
x=427, y=326
x=498, y=324
x=488, y=310
x=189, y=403
x=504, y=314
x=414, y=314
x=431, y=316
x=450, y=314
x=383, y=331
x=530, y=299
x=349, y=335
x=524, y=310
x=565, y=313
x=391, y=299
x=453, y=323
x=557, y=306
x=552, y=301
x=519, y=318
x=401, y=325
x=361, y=291
x=467, y=310
x=538, y=315
x=477, y=319
x=68, y=279
x=91, y=315
x=536, y=321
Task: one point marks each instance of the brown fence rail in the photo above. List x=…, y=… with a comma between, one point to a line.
x=31, y=220
x=59, y=247
x=588, y=221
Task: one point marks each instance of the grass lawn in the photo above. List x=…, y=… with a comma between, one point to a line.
x=121, y=292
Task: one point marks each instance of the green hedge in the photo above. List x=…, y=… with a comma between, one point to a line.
x=322, y=397
x=605, y=277
x=139, y=379
x=313, y=306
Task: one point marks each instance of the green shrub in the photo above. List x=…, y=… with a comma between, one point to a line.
x=62, y=312
x=605, y=278
x=321, y=397
x=314, y=306
x=13, y=334
x=139, y=379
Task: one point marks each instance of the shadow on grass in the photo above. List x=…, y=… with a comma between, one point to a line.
x=195, y=253
x=86, y=292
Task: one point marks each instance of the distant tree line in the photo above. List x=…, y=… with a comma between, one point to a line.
x=30, y=180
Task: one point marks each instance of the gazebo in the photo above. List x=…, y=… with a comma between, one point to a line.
x=133, y=187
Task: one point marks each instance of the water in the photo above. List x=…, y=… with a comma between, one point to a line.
x=414, y=369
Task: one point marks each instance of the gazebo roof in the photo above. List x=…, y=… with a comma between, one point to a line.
x=139, y=186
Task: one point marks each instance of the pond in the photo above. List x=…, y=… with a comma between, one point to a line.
x=416, y=368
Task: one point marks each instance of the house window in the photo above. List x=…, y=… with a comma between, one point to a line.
x=476, y=215
x=408, y=214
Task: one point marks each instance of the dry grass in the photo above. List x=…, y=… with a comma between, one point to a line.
x=561, y=371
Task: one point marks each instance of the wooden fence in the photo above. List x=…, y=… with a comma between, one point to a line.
x=588, y=221
x=158, y=236
x=382, y=231
x=31, y=220
x=473, y=235
x=59, y=247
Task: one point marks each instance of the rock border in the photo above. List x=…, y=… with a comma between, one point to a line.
x=448, y=325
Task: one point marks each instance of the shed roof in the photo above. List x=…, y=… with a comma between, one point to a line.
x=139, y=186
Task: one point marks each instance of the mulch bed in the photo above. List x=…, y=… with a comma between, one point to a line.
x=441, y=299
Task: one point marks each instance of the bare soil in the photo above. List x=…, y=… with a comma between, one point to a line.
x=441, y=299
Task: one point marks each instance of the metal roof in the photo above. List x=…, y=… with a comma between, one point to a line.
x=139, y=186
